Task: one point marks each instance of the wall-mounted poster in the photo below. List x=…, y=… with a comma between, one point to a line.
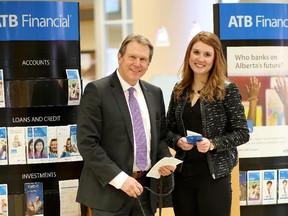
x=255, y=40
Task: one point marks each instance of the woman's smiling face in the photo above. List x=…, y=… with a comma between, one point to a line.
x=201, y=58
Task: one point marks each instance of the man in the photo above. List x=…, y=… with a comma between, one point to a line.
x=111, y=178
x=38, y=204
x=284, y=188
x=268, y=192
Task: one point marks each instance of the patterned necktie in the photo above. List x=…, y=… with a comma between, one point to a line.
x=139, y=132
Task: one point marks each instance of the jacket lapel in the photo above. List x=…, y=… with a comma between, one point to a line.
x=119, y=96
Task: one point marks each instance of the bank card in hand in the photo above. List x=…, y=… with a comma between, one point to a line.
x=193, y=137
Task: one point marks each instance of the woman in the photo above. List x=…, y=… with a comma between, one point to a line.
x=39, y=149
x=53, y=148
x=30, y=208
x=68, y=149
x=3, y=151
x=206, y=103
x=3, y=206
x=30, y=149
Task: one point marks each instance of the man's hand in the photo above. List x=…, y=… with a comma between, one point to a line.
x=132, y=187
x=166, y=170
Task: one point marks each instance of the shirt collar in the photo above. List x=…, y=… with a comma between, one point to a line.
x=125, y=85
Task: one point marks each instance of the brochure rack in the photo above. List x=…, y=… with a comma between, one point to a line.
x=252, y=47
x=34, y=60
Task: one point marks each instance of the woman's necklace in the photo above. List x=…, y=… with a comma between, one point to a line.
x=196, y=91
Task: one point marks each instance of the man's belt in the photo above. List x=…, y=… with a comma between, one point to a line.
x=139, y=174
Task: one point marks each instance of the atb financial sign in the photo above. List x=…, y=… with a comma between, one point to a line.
x=253, y=21
x=39, y=21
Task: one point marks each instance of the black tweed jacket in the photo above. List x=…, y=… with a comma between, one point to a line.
x=224, y=123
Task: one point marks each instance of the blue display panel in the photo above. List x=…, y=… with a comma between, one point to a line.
x=253, y=21
x=39, y=21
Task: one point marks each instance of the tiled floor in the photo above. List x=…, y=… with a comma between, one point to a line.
x=166, y=212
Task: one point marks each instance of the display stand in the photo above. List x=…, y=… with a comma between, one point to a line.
x=39, y=42
x=255, y=45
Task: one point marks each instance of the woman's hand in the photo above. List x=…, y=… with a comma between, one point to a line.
x=204, y=145
x=183, y=144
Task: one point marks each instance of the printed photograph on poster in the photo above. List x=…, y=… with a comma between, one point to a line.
x=64, y=143
x=73, y=136
x=279, y=87
x=67, y=143
x=37, y=148
x=2, y=92
x=74, y=86
x=3, y=200
x=269, y=186
x=52, y=143
x=261, y=73
x=243, y=187
x=274, y=108
x=16, y=145
x=254, y=186
x=65, y=149
x=29, y=145
x=74, y=92
x=283, y=186
x=68, y=191
x=257, y=70
x=40, y=146
x=3, y=146
x=34, y=198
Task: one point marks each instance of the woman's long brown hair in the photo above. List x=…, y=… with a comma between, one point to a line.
x=214, y=87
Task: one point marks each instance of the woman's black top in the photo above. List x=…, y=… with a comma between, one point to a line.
x=195, y=163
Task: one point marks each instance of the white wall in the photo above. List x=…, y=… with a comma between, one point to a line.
x=177, y=16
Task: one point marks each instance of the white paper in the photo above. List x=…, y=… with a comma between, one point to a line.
x=192, y=133
x=166, y=161
x=68, y=191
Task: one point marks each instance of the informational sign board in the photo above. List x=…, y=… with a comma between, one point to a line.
x=255, y=40
x=39, y=43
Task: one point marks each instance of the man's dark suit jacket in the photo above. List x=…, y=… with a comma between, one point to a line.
x=105, y=140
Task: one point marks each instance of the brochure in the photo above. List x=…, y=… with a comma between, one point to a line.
x=40, y=144
x=34, y=198
x=193, y=137
x=243, y=188
x=29, y=145
x=52, y=143
x=2, y=92
x=68, y=191
x=282, y=186
x=16, y=145
x=254, y=186
x=74, y=86
x=269, y=187
x=3, y=146
x=3, y=200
